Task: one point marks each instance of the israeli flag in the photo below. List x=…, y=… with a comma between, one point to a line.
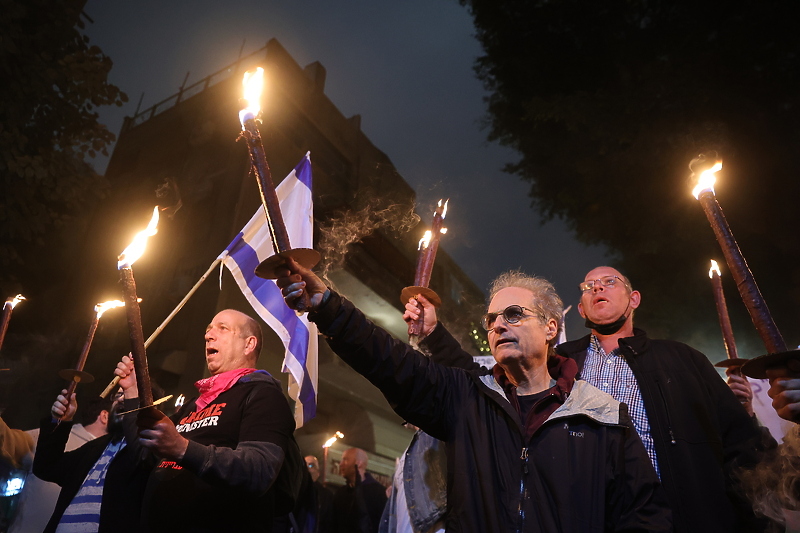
x=248, y=250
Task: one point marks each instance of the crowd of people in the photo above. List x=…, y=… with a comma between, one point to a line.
x=614, y=431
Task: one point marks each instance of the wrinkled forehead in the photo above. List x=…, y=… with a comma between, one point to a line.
x=601, y=272
x=511, y=296
x=230, y=318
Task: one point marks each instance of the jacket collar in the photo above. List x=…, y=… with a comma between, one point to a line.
x=589, y=401
x=577, y=349
x=562, y=373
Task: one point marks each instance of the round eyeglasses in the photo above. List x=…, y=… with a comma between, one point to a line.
x=511, y=314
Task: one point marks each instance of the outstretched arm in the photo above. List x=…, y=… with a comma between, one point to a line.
x=422, y=392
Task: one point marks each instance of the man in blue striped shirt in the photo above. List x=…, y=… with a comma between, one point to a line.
x=102, y=482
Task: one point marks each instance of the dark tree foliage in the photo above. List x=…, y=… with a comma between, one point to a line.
x=607, y=102
x=53, y=82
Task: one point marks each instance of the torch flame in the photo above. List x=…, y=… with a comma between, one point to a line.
x=136, y=248
x=707, y=179
x=105, y=306
x=13, y=301
x=425, y=240
x=714, y=268
x=330, y=441
x=439, y=206
x=253, y=83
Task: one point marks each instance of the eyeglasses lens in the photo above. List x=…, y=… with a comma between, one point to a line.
x=511, y=314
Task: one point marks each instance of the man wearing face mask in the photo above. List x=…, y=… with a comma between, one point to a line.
x=695, y=430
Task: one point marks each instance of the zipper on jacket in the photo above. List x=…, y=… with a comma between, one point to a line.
x=666, y=410
x=522, y=490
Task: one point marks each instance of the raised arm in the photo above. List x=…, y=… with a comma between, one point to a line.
x=422, y=392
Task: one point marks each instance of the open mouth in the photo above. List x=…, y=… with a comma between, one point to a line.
x=503, y=341
x=211, y=351
x=600, y=299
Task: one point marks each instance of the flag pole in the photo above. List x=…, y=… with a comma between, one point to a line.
x=169, y=318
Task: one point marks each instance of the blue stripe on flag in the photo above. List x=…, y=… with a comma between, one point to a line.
x=271, y=298
x=303, y=172
x=242, y=258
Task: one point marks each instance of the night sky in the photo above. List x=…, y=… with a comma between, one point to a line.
x=405, y=67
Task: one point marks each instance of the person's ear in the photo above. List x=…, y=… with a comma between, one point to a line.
x=103, y=417
x=552, y=329
x=636, y=299
x=250, y=344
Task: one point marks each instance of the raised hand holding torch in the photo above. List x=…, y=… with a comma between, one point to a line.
x=705, y=169
x=428, y=246
x=77, y=375
x=253, y=83
x=125, y=263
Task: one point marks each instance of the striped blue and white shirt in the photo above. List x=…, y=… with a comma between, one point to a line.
x=82, y=515
x=610, y=373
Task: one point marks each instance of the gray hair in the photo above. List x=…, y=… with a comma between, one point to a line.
x=545, y=301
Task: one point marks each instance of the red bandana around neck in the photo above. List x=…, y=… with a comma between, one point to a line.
x=213, y=386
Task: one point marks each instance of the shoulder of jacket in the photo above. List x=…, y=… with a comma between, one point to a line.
x=572, y=347
x=587, y=400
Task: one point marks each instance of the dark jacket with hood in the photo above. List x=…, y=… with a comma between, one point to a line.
x=575, y=466
x=701, y=432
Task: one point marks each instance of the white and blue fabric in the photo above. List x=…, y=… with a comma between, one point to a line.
x=248, y=250
x=82, y=515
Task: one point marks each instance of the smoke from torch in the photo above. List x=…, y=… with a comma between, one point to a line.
x=773, y=485
x=349, y=227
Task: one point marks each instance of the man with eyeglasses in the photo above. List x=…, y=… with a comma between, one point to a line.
x=529, y=448
x=695, y=430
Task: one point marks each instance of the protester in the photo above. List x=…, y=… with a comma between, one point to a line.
x=102, y=482
x=38, y=498
x=357, y=505
x=529, y=448
x=695, y=430
x=324, y=497
x=228, y=459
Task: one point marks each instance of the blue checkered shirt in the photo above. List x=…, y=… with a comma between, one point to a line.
x=610, y=373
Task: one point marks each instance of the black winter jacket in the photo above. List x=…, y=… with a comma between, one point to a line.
x=583, y=470
x=125, y=479
x=700, y=430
